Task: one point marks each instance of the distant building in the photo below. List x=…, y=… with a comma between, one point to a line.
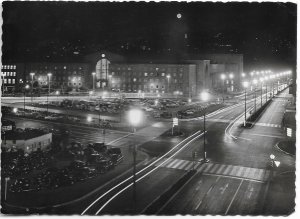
x=178, y=79
x=187, y=76
x=10, y=75
x=27, y=140
x=64, y=76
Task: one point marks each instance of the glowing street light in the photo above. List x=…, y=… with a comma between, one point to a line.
x=89, y=119
x=204, y=96
x=94, y=74
x=223, y=77
x=25, y=88
x=255, y=83
x=261, y=89
x=32, y=75
x=135, y=117
x=243, y=75
x=231, y=75
x=15, y=110
x=49, y=82
x=245, y=84
x=168, y=78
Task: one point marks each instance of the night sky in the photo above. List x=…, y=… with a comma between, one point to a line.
x=57, y=31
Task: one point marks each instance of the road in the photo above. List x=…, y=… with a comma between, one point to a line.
x=242, y=163
x=235, y=181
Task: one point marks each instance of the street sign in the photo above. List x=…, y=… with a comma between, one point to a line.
x=277, y=163
x=289, y=132
x=175, y=121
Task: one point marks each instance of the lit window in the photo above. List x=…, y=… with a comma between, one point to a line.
x=9, y=81
x=5, y=81
x=146, y=74
x=134, y=79
x=156, y=69
x=79, y=78
x=65, y=67
x=163, y=74
x=13, y=81
x=4, y=73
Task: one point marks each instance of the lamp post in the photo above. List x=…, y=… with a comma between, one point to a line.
x=57, y=93
x=110, y=82
x=49, y=81
x=204, y=97
x=254, y=82
x=94, y=73
x=168, y=77
x=261, y=90
x=135, y=118
x=32, y=75
x=25, y=88
x=266, y=79
x=245, y=84
x=223, y=77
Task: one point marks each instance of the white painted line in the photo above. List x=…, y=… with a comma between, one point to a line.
x=178, y=163
x=189, y=166
x=208, y=166
x=183, y=165
x=171, y=164
x=201, y=167
x=234, y=197
x=216, y=166
x=118, y=139
x=246, y=172
x=227, y=169
x=233, y=171
x=240, y=171
x=220, y=169
x=260, y=174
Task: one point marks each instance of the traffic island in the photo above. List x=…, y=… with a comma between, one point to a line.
x=287, y=146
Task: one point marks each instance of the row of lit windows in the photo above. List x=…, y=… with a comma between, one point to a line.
x=59, y=67
x=148, y=68
x=146, y=74
x=9, y=73
x=136, y=80
x=9, y=67
x=9, y=81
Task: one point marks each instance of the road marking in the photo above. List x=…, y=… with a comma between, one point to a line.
x=234, y=197
x=118, y=139
x=250, y=193
x=224, y=188
x=246, y=172
x=227, y=169
x=233, y=171
x=173, y=162
x=261, y=135
x=214, y=168
x=183, y=164
x=198, y=205
x=239, y=173
x=178, y=163
x=220, y=169
x=189, y=166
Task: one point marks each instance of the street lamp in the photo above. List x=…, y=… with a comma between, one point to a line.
x=168, y=77
x=49, y=82
x=110, y=81
x=204, y=96
x=57, y=93
x=135, y=117
x=26, y=88
x=245, y=84
x=266, y=79
x=223, y=77
x=32, y=75
x=94, y=73
x=254, y=82
x=261, y=88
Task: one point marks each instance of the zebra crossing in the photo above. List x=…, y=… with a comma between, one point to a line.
x=216, y=169
x=268, y=125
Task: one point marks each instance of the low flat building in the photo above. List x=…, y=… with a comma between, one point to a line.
x=27, y=140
